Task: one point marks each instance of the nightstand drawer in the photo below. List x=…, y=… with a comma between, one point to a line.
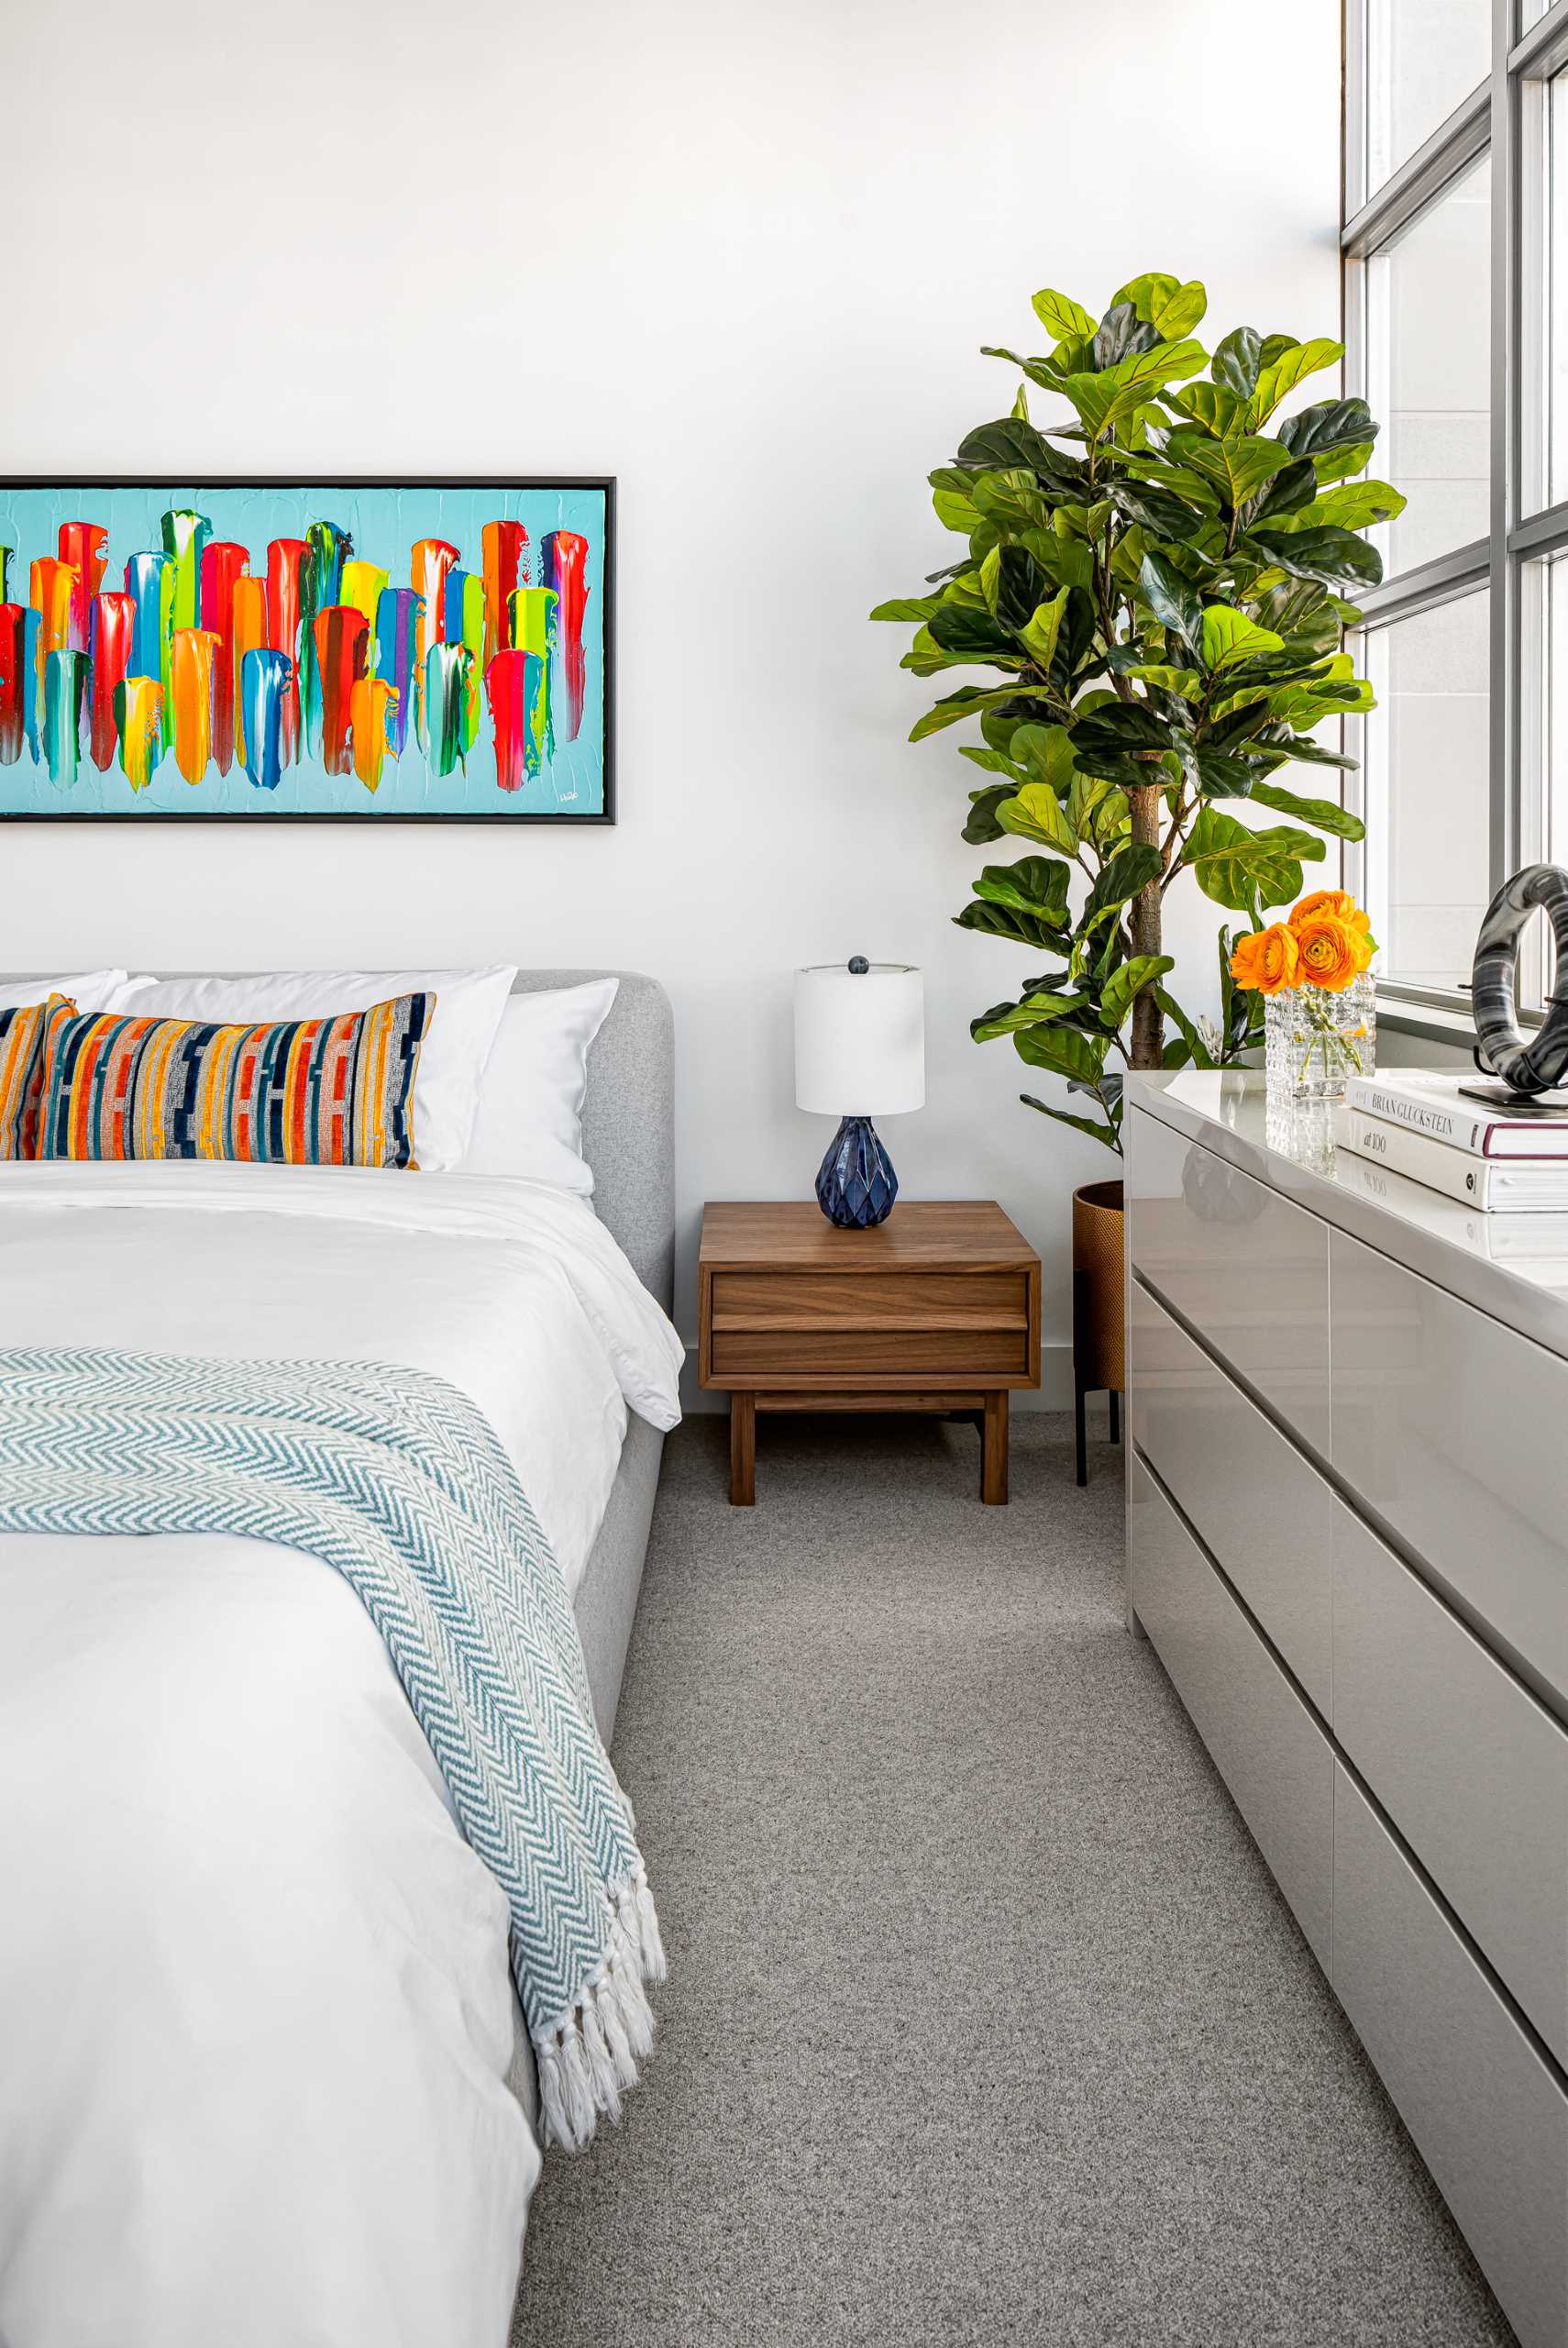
x=834, y=1356
x=869, y=1300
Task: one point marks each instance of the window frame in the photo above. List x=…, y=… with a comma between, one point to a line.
x=1507, y=117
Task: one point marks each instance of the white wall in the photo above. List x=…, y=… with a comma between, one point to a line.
x=742, y=257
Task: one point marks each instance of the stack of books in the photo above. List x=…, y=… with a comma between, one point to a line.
x=1463, y=1135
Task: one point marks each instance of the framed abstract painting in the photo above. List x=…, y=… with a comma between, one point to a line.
x=317, y=651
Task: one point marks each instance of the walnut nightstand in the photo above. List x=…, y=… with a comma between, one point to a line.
x=937, y=1309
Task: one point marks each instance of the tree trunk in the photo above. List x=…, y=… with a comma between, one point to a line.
x=1145, y=803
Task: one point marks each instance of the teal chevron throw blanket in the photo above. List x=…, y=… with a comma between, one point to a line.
x=394, y=1479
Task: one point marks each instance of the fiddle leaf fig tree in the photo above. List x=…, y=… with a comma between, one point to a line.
x=1158, y=569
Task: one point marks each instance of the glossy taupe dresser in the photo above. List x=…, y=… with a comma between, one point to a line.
x=1348, y=1540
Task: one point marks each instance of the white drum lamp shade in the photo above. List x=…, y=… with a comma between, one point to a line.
x=859, y=1039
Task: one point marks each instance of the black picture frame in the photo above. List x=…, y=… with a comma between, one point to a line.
x=606, y=482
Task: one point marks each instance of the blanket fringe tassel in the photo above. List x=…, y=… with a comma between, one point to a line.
x=587, y=2060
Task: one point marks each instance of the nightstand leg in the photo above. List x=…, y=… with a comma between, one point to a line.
x=743, y=1450
x=993, y=1450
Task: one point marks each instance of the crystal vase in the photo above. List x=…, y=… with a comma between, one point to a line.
x=1315, y=1041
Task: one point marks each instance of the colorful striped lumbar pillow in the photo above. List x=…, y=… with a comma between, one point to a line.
x=21, y=1075
x=323, y=1091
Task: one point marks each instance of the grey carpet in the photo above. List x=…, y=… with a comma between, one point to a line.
x=984, y=2022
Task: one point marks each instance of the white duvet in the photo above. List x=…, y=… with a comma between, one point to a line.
x=256, y=2015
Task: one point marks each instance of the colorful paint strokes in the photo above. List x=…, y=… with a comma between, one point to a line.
x=252, y=648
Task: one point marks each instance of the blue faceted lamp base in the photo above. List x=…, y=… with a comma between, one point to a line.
x=860, y=1038
x=856, y=1182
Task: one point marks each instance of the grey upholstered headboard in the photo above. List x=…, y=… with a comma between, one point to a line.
x=628, y=1119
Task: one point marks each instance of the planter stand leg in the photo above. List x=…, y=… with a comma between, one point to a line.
x=1078, y=1430
x=1114, y=1399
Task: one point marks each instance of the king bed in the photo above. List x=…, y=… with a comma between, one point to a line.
x=263, y=2076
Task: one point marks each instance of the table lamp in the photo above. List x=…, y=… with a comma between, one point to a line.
x=859, y=1053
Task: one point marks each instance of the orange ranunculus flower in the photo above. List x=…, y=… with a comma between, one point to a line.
x=1331, y=952
x=1337, y=901
x=1267, y=959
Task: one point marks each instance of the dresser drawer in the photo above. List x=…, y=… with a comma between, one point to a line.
x=1242, y=1265
x=1451, y=1427
x=1472, y=1770
x=1488, y=2117
x=870, y=1301
x=1267, y=1748
x=887, y=1357
x=1262, y=1510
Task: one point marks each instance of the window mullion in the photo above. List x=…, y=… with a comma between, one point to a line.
x=1505, y=731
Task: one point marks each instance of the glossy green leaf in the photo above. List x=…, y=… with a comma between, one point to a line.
x=1220, y=775
x=907, y=608
x=1061, y=316
x=1173, y=601
x=1037, y=1010
x=1303, y=747
x=1356, y=505
x=1066, y=1051
x=969, y=632
x=1186, y=683
x=1128, y=981
x=993, y=761
x=1334, y=557
x=1181, y=311
x=1101, y=399
x=1291, y=491
x=926, y=658
x=1331, y=425
x=1088, y=794
x=1238, y=467
x=1035, y=814
x=955, y=511
x=1338, y=464
x=1118, y=881
x=981, y=827
x=1013, y=441
x=1327, y=815
x=1157, y=511
x=1039, y=637
x=1228, y=636
x=1237, y=358
x=1239, y=867
x=1119, y=334
x=1006, y=921
x=1276, y=381
x=1035, y=884
x=967, y=701
x=1045, y=752
x=1148, y=294
x=1107, y=1132
x=1220, y=412
x=1043, y=371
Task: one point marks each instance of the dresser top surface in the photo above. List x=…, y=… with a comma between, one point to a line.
x=1514, y=1267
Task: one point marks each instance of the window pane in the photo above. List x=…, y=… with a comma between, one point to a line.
x=1423, y=57
x=1428, y=376
x=1556, y=272
x=1425, y=791
x=1552, y=626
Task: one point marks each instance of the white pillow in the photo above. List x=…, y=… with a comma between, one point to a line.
x=469, y=1004
x=89, y=990
x=530, y=1112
